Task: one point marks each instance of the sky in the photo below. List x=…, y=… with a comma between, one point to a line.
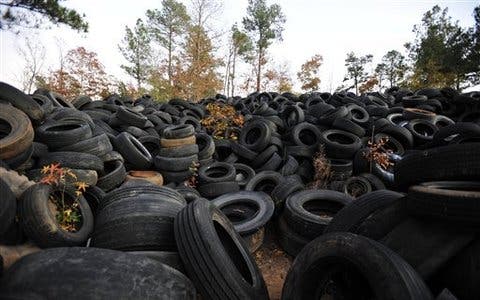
x=331, y=28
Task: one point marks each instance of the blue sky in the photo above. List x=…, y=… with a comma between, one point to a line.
x=330, y=28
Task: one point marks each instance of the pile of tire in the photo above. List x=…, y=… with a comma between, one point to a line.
x=164, y=194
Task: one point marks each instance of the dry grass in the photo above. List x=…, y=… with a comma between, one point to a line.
x=323, y=172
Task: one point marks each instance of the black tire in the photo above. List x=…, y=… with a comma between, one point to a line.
x=382, y=221
x=144, y=223
x=289, y=167
x=40, y=224
x=248, y=211
x=356, y=186
x=171, y=259
x=114, y=174
x=182, y=151
x=354, y=213
x=217, y=172
x=359, y=114
x=305, y=134
x=59, y=134
x=94, y=196
x=460, y=274
x=358, y=268
x=454, y=201
x=328, y=117
x=272, y=164
x=453, y=162
x=348, y=126
x=71, y=114
x=45, y=103
x=53, y=272
x=18, y=161
x=287, y=186
x=133, y=151
x=435, y=244
x=264, y=181
x=152, y=143
x=263, y=156
x=340, y=144
x=309, y=212
x=73, y=160
x=98, y=145
x=375, y=182
x=214, y=256
x=340, y=169
x=17, y=136
x=178, y=131
x=256, y=135
x=401, y=134
x=206, y=145
x=175, y=164
x=422, y=131
x=215, y=189
x=39, y=149
x=131, y=117
x=242, y=151
x=243, y=174
x=144, y=188
x=290, y=241
x=21, y=101
x=8, y=207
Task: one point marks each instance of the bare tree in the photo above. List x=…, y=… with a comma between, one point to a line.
x=33, y=53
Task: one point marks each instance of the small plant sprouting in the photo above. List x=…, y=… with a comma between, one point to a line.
x=67, y=210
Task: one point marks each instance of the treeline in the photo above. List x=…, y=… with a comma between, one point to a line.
x=175, y=51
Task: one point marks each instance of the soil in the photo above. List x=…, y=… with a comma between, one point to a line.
x=274, y=264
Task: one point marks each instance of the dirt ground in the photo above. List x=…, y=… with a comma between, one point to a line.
x=274, y=264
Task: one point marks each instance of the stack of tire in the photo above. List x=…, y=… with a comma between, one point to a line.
x=178, y=155
x=217, y=179
x=306, y=215
x=142, y=215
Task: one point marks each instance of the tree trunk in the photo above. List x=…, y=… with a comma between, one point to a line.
x=233, y=72
x=259, y=71
x=170, y=57
x=355, y=81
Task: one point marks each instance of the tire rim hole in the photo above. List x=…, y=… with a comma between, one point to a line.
x=233, y=252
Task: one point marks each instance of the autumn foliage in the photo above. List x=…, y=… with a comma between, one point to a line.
x=67, y=211
x=221, y=119
x=80, y=73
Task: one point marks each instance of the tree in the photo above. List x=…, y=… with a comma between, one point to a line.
x=80, y=74
x=242, y=46
x=34, y=57
x=166, y=26
x=136, y=49
x=203, y=11
x=31, y=14
x=278, y=79
x=393, y=67
x=356, y=68
x=265, y=25
x=195, y=74
x=442, y=52
x=380, y=73
x=308, y=74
